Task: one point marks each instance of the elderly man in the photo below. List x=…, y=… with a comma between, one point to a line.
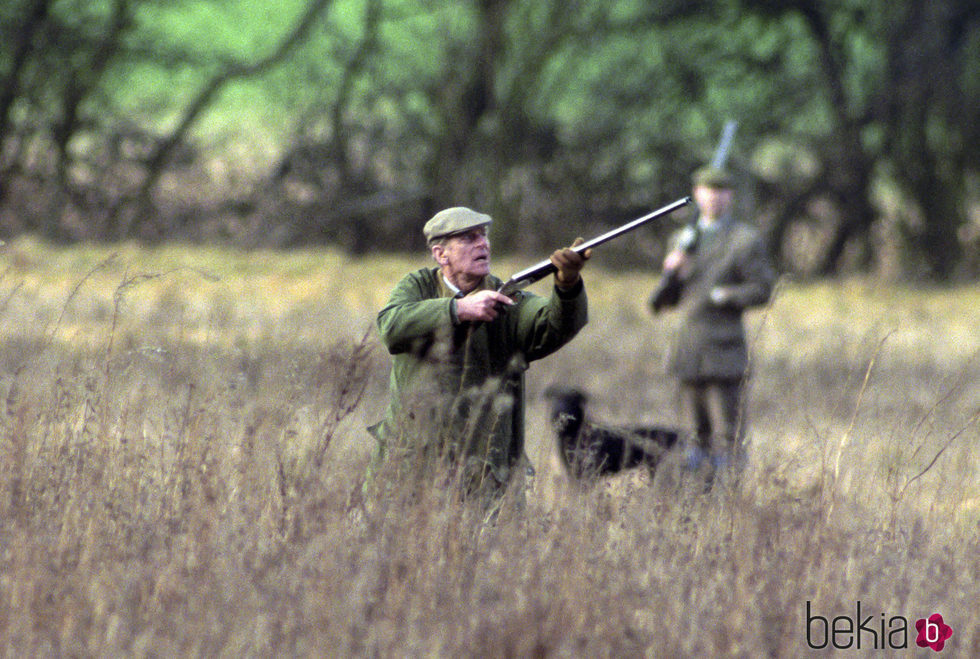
x=721, y=268
x=459, y=350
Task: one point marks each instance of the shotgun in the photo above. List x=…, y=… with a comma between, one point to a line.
x=539, y=271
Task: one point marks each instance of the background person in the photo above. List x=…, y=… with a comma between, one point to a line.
x=720, y=269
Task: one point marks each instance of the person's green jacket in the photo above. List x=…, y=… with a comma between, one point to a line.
x=730, y=262
x=457, y=386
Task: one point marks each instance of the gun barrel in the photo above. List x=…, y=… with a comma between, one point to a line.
x=724, y=144
x=538, y=271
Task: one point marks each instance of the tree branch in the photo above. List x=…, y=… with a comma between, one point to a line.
x=235, y=71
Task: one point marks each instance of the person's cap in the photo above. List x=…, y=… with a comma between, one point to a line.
x=713, y=177
x=454, y=220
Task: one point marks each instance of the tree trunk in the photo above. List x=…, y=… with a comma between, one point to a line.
x=22, y=47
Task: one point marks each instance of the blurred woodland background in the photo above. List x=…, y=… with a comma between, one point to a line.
x=348, y=122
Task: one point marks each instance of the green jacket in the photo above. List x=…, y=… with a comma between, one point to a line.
x=710, y=343
x=458, y=387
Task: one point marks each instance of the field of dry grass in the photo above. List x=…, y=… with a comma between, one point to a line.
x=182, y=456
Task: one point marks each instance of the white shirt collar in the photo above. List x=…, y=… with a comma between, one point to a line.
x=717, y=224
x=452, y=288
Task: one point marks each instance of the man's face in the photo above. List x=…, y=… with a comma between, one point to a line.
x=465, y=257
x=713, y=202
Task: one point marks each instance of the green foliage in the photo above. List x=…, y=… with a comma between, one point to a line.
x=564, y=111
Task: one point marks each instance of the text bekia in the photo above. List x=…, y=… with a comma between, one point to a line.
x=844, y=632
x=879, y=632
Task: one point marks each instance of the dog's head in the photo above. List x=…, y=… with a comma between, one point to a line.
x=566, y=410
x=565, y=400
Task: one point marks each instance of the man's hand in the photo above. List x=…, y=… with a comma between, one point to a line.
x=569, y=264
x=481, y=305
x=720, y=296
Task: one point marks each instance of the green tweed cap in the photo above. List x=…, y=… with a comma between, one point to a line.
x=713, y=177
x=453, y=220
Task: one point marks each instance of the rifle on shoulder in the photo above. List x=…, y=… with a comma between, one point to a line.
x=539, y=271
x=668, y=290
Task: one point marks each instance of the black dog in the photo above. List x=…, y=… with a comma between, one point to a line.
x=589, y=450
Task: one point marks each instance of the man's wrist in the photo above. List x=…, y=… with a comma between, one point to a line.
x=569, y=290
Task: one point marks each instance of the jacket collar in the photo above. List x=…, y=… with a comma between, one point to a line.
x=447, y=289
x=721, y=224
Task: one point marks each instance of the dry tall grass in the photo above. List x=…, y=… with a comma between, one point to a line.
x=182, y=457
